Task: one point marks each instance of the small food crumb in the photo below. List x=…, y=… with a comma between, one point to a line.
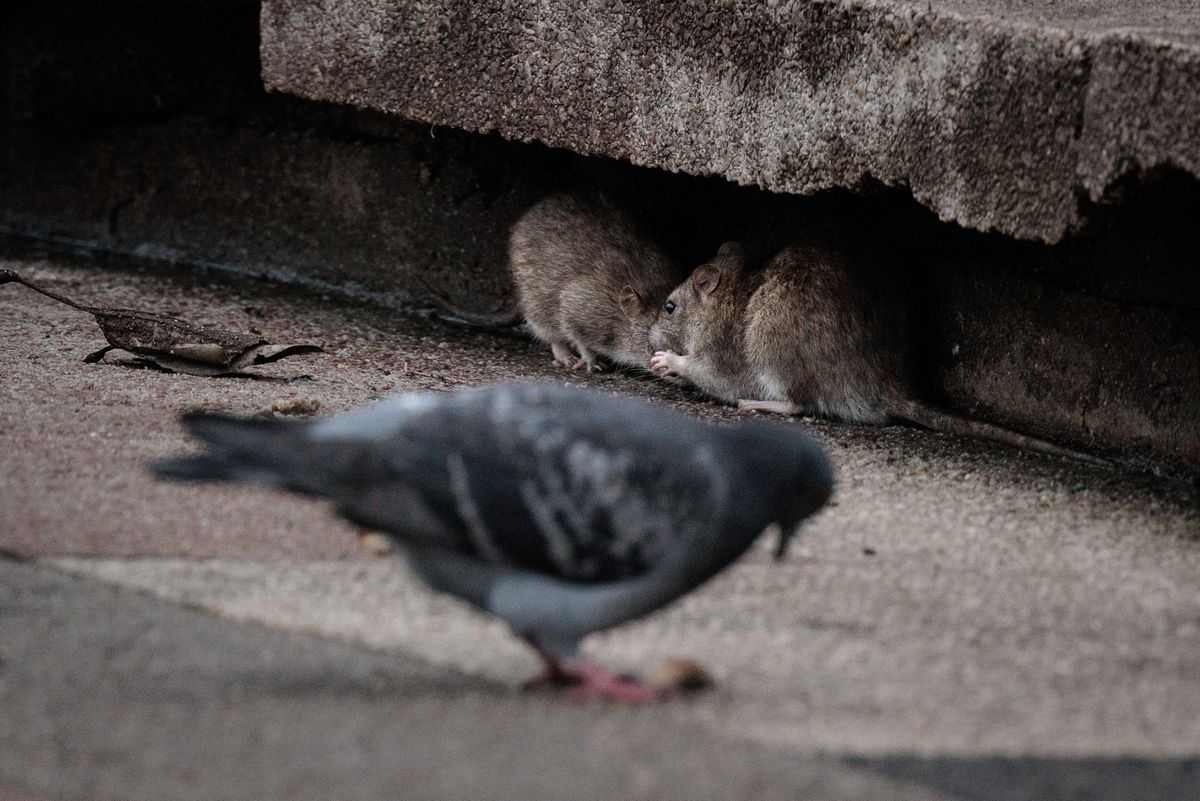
x=686, y=675
x=296, y=406
x=375, y=543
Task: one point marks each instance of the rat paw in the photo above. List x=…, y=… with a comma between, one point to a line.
x=563, y=356
x=667, y=363
x=587, y=360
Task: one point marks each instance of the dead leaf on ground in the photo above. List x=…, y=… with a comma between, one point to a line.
x=172, y=344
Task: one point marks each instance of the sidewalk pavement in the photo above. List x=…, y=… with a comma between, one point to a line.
x=965, y=622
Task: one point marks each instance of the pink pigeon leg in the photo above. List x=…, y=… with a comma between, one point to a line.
x=594, y=682
x=583, y=680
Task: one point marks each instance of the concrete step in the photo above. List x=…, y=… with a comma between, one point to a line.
x=998, y=116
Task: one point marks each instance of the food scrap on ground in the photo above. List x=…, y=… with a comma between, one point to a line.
x=683, y=675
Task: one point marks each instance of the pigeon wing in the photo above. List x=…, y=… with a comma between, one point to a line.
x=573, y=485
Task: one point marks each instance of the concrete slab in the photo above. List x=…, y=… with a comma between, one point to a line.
x=108, y=694
x=996, y=116
x=833, y=652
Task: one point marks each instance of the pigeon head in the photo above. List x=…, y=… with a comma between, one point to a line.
x=789, y=470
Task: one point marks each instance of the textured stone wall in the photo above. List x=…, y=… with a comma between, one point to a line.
x=995, y=115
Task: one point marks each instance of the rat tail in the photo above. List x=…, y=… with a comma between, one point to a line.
x=487, y=320
x=937, y=420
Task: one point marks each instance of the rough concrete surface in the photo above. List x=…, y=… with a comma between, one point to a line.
x=996, y=116
x=109, y=695
x=965, y=622
x=123, y=134
x=1044, y=355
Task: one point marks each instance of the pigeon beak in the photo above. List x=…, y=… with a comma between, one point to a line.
x=786, y=533
x=788, y=529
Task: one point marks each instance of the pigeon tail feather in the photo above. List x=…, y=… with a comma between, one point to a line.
x=240, y=451
x=212, y=468
x=232, y=432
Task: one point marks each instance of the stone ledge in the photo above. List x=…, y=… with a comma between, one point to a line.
x=996, y=116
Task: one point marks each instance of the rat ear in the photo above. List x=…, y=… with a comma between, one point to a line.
x=704, y=280
x=732, y=250
x=631, y=302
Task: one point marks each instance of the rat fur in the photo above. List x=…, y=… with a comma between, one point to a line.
x=588, y=280
x=806, y=334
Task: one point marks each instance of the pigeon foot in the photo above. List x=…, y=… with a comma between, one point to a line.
x=595, y=683
x=588, y=681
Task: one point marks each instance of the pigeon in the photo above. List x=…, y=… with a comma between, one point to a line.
x=561, y=510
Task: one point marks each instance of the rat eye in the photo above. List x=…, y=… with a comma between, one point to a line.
x=670, y=307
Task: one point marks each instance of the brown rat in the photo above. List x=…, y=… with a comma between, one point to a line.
x=588, y=280
x=806, y=334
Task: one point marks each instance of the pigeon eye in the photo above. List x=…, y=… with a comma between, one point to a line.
x=670, y=307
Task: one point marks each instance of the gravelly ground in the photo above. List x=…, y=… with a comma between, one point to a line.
x=970, y=621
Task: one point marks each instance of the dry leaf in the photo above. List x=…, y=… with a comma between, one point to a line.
x=173, y=344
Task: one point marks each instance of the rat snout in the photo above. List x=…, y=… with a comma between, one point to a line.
x=657, y=340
